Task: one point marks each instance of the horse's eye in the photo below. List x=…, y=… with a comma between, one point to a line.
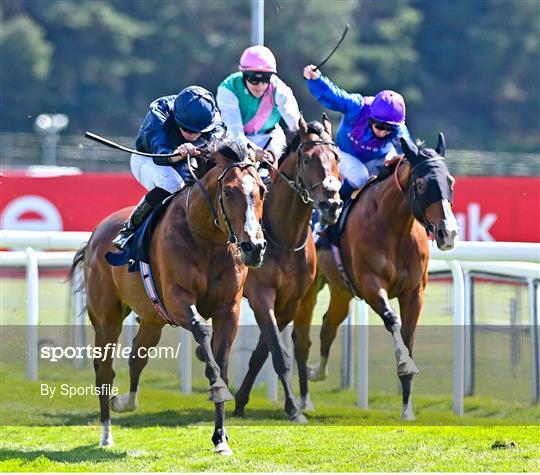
x=421, y=185
x=305, y=159
x=227, y=192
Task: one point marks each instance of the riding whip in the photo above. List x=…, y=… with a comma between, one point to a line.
x=112, y=144
x=323, y=62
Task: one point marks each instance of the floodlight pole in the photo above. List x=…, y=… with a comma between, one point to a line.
x=257, y=22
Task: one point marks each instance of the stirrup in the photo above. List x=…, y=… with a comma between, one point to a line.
x=123, y=238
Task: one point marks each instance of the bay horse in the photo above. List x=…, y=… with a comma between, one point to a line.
x=307, y=177
x=385, y=253
x=198, y=255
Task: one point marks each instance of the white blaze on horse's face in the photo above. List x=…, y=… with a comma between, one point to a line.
x=447, y=234
x=251, y=226
x=332, y=184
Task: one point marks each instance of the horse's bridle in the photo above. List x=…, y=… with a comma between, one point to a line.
x=416, y=209
x=298, y=185
x=231, y=236
x=303, y=191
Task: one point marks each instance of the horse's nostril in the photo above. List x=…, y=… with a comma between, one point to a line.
x=324, y=206
x=246, y=247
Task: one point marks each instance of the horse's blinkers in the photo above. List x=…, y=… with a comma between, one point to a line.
x=429, y=184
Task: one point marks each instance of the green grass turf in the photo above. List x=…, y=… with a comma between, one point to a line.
x=171, y=432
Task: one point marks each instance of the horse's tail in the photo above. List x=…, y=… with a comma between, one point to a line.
x=77, y=285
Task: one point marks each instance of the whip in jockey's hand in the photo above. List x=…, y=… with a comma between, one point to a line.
x=185, y=150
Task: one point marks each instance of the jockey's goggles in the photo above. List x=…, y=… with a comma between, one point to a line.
x=189, y=131
x=256, y=77
x=382, y=125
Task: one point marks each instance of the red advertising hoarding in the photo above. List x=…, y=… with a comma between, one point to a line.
x=487, y=208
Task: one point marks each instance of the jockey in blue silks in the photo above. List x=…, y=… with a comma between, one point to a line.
x=185, y=123
x=369, y=132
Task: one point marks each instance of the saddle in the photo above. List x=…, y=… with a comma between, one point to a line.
x=137, y=248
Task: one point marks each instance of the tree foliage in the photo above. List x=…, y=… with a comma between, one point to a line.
x=467, y=67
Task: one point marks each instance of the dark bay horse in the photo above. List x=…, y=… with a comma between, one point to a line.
x=385, y=254
x=198, y=255
x=308, y=177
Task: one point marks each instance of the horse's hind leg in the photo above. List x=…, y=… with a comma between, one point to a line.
x=337, y=312
x=256, y=362
x=147, y=337
x=410, y=308
x=106, y=337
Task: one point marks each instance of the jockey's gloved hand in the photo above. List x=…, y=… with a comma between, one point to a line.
x=264, y=156
x=183, y=151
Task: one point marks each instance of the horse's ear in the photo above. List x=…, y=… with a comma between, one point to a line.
x=327, y=124
x=302, y=127
x=409, y=149
x=441, y=145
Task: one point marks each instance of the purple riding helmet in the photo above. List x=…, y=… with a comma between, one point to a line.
x=389, y=107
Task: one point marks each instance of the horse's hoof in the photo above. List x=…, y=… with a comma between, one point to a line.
x=408, y=415
x=315, y=374
x=238, y=412
x=200, y=354
x=299, y=419
x=219, y=393
x=108, y=442
x=127, y=402
x=407, y=368
x=305, y=404
x=223, y=449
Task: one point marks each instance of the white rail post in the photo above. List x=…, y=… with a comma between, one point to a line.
x=363, y=354
x=32, y=277
x=79, y=327
x=347, y=354
x=534, y=298
x=459, y=337
x=469, y=333
x=185, y=361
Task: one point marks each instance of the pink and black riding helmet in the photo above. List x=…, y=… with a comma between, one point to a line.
x=388, y=107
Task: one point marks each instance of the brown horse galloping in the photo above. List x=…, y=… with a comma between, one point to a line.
x=198, y=255
x=385, y=254
x=308, y=176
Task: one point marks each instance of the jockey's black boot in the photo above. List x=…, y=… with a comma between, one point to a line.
x=346, y=191
x=138, y=215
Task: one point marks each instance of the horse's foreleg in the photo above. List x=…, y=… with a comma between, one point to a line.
x=263, y=307
x=410, y=307
x=202, y=332
x=106, y=338
x=256, y=362
x=147, y=337
x=337, y=312
x=225, y=325
x=377, y=297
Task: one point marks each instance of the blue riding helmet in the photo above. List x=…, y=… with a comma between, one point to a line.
x=195, y=109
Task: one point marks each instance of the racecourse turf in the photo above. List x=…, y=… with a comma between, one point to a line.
x=171, y=431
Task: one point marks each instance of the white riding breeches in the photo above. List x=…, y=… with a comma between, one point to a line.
x=277, y=144
x=357, y=172
x=151, y=176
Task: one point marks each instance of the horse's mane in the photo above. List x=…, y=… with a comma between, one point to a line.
x=314, y=127
x=231, y=149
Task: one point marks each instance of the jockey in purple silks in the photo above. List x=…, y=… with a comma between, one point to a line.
x=254, y=100
x=369, y=132
x=186, y=124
